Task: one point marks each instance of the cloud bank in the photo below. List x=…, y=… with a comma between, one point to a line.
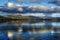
x=17, y=8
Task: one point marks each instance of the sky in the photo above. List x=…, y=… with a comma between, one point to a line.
x=28, y=2
x=41, y=6
x=3, y=2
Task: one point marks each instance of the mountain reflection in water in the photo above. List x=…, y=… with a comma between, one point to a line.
x=27, y=30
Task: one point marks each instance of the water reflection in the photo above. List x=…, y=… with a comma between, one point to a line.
x=26, y=30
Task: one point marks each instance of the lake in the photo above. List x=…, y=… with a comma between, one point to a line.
x=25, y=30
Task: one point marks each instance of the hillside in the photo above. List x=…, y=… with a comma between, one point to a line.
x=17, y=16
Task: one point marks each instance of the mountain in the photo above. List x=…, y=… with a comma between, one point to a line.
x=4, y=19
x=17, y=16
x=34, y=17
x=1, y=17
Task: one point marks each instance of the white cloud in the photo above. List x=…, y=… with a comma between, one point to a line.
x=34, y=14
x=20, y=9
x=10, y=4
x=41, y=8
x=13, y=6
x=18, y=5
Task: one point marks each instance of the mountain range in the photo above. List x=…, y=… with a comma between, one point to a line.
x=19, y=17
x=16, y=17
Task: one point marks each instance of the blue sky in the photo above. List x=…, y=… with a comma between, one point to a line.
x=3, y=2
x=27, y=2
